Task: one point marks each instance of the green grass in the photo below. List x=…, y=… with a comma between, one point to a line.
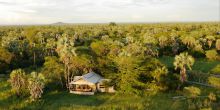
x=200, y=64
x=57, y=100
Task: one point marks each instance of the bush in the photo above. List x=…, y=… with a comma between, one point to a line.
x=211, y=54
x=214, y=81
x=18, y=81
x=197, y=76
x=191, y=92
x=216, y=70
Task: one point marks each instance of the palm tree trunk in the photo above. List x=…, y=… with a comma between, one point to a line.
x=34, y=58
x=183, y=75
x=34, y=55
x=68, y=77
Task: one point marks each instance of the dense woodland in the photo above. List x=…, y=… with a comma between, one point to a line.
x=140, y=59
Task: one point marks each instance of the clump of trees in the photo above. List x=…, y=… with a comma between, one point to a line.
x=22, y=83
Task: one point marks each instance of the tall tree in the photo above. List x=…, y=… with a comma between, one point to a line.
x=66, y=50
x=30, y=34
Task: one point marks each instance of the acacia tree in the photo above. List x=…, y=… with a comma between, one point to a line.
x=183, y=61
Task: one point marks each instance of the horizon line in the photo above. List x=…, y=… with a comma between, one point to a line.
x=74, y=23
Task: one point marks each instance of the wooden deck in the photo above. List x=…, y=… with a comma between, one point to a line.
x=82, y=93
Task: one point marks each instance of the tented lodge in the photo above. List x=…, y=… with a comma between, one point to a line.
x=89, y=83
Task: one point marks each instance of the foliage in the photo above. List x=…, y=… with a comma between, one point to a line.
x=136, y=74
x=5, y=56
x=53, y=71
x=125, y=53
x=112, y=24
x=195, y=101
x=18, y=81
x=217, y=45
x=214, y=81
x=100, y=48
x=36, y=85
x=215, y=70
x=191, y=92
x=189, y=41
x=210, y=39
x=211, y=54
x=182, y=61
x=66, y=50
x=198, y=76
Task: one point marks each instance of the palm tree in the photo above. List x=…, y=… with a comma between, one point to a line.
x=182, y=61
x=210, y=39
x=163, y=41
x=66, y=50
x=30, y=34
x=50, y=46
x=189, y=41
x=217, y=45
x=36, y=85
x=18, y=81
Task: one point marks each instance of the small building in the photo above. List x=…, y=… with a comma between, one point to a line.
x=88, y=84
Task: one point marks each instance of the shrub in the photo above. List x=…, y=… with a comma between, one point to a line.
x=36, y=85
x=211, y=54
x=214, y=81
x=215, y=70
x=18, y=81
x=197, y=76
x=191, y=92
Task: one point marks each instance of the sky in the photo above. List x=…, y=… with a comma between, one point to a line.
x=104, y=11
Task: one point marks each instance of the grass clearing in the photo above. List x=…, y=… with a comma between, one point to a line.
x=57, y=100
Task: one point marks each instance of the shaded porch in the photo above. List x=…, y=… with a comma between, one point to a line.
x=83, y=89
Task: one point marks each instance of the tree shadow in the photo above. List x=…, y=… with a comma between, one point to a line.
x=11, y=102
x=57, y=100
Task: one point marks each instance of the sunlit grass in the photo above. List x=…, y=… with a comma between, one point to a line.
x=200, y=64
x=57, y=100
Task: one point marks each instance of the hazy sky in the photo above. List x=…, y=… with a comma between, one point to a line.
x=100, y=11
